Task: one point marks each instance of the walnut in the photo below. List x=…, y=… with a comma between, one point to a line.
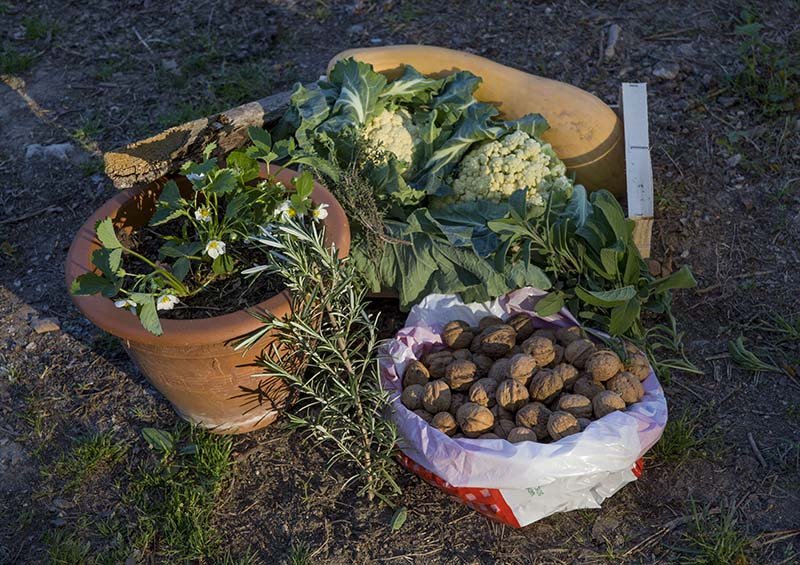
x=445, y=423
x=474, y=419
x=568, y=374
x=603, y=364
x=576, y=404
x=489, y=321
x=436, y=397
x=456, y=334
x=456, y=400
x=511, y=395
x=534, y=416
x=522, y=324
x=578, y=352
x=501, y=370
x=462, y=355
x=546, y=333
x=496, y=341
x=501, y=413
x=562, y=424
x=637, y=363
x=502, y=427
x=587, y=387
x=559, y=355
x=437, y=363
x=568, y=335
x=488, y=435
x=627, y=386
x=520, y=434
x=412, y=397
x=584, y=423
x=424, y=414
x=522, y=367
x=482, y=392
x=416, y=374
x=607, y=402
x=545, y=385
x=483, y=363
x=461, y=374
x=475, y=346
x=540, y=348
x=516, y=350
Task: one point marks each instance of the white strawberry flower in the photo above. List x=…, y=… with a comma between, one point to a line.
x=320, y=212
x=287, y=211
x=195, y=177
x=203, y=214
x=166, y=302
x=215, y=248
x=126, y=303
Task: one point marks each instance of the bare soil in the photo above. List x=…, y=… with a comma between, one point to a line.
x=728, y=203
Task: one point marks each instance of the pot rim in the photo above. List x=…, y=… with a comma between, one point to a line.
x=205, y=331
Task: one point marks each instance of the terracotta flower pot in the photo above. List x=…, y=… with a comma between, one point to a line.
x=193, y=364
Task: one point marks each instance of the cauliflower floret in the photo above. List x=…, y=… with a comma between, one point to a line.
x=497, y=169
x=394, y=132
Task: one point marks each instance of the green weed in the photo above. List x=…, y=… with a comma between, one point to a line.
x=37, y=28
x=683, y=439
x=91, y=455
x=64, y=548
x=715, y=539
x=13, y=62
x=299, y=553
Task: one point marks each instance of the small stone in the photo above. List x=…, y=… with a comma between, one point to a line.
x=45, y=325
x=61, y=151
x=356, y=29
x=734, y=160
x=376, y=40
x=666, y=71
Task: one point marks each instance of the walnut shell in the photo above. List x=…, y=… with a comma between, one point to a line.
x=540, y=348
x=457, y=334
x=607, y=402
x=520, y=434
x=461, y=374
x=603, y=364
x=627, y=386
x=489, y=321
x=568, y=374
x=437, y=363
x=569, y=334
x=587, y=387
x=546, y=333
x=502, y=427
x=436, y=397
x=484, y=364
x=488, y=435
x=578, y=352
x=500, y=370
x=456, y=400
x=522, y=324
x=445, y=423
x=511, y=395
x=428, y=358
x=637, y=363
x=576, y=404
x=416, y=374
x=474, y=419
x=584, y=423
x=462, y=355
x=562, y=424
x=482, y=392
x=501, y=413
x=522, y=367
x=424, y=414
x=534, y=416
x=412, y=397
x=545, y=385
x=516, y=350
x=496, y=341
x=559, y=354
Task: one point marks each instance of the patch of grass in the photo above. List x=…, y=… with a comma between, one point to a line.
x=715, y=538
x=242, y=83
x=65, y=548
x=770, y=74
x=175, y=497
x=9, y=370
x=13, y=62
x=188, y=111
x=92, y=166
x=299, y=553
x=682, y=439
x=37, y=28
x=90, y=456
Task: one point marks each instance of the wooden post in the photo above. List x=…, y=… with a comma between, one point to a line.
x=638, y=168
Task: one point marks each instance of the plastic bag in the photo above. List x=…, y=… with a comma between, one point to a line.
x=517, y=484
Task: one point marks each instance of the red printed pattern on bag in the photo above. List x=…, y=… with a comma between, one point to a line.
x=486, y=501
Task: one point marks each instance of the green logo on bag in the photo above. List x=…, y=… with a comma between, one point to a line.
x=536, y=491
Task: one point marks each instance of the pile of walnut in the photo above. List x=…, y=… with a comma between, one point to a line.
x=505, y=380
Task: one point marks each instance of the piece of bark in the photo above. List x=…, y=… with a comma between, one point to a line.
x=147, y=160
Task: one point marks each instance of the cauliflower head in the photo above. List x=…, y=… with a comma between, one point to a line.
x=394, y=132
x=495, y=170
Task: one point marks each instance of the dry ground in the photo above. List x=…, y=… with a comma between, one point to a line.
x=78, y=483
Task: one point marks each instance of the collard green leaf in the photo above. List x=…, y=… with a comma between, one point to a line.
x=169, y=205
x=613, y=214
x=308, y=107
x=360, y=89
x=523, y=274
x=579, y=208
x=106, y=234
x=532, y=124
x=550, y=304
x=681, y=278
x=624, y=316
x=606, y=298
x=456, y=96
x=411, y=86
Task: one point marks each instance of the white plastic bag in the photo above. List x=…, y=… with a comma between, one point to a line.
x=517, y=484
